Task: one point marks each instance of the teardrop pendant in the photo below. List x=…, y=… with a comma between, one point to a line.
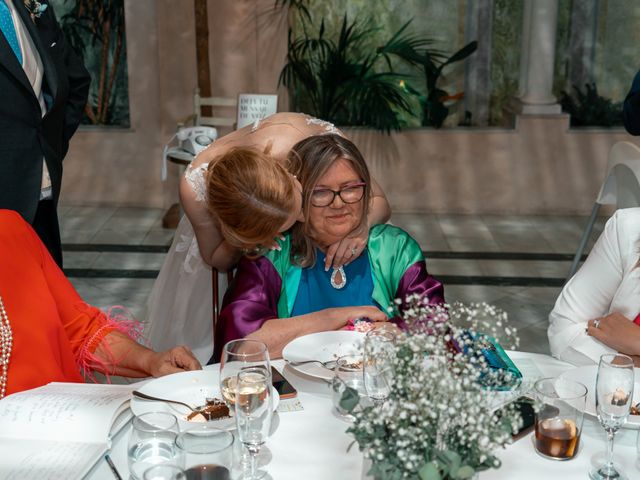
x=338, y=278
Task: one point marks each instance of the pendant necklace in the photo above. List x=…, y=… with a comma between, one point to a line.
x=338, y=278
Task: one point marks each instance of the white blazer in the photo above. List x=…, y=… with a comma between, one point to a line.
x=609, y=281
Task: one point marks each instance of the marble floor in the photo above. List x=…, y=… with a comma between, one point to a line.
x=517, y=263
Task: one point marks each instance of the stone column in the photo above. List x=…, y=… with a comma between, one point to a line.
x=477, y=85
x=538, y=51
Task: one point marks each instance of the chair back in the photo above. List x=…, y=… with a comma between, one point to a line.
x=218, y=104
x=621, y=186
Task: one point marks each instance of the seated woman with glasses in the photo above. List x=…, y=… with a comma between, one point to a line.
x=290, y=292
x=598, y=310
x=238, y=197
x=48, y=334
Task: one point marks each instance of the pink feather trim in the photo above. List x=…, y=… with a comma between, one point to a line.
x=116, y=318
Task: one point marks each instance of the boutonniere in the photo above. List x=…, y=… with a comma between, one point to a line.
x=35, y=8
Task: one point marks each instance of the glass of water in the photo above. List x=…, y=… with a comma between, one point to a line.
x=348, y=372
x=153, y=442
x=254, y=409
x=164, y=472
x=614, y=394
x=207, y=452
x=378, y=364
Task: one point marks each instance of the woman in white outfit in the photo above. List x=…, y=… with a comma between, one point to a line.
x=596, y=309
x=179, y=308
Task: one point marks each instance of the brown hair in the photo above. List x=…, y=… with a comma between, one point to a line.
x=309, y=160
x=251, y=194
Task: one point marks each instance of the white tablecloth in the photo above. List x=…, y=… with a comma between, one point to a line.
x=312, y=444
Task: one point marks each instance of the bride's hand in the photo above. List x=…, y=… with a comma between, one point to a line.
x=348, y=249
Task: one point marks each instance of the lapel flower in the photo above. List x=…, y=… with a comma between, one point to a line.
x=35, y=8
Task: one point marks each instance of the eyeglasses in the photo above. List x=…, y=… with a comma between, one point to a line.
x=323, y=197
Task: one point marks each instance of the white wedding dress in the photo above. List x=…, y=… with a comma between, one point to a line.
x=180, y=306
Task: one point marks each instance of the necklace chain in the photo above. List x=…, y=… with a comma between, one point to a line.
x=6, y=341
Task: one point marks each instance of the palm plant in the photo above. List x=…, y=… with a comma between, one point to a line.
x=432, y=63
x=345, y=81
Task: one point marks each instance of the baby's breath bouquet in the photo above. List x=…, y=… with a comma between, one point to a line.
x=438, y=422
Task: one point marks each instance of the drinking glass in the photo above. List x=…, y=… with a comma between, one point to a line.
x=560, y=405
x=207, y=453
x=153, y=442
x=254, y=408
x=378, y=366
x=348, y=372
x=614, y=393
x=164, y=472
x=238, y=355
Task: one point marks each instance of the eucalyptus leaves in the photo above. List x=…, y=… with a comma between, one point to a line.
x=438, y=423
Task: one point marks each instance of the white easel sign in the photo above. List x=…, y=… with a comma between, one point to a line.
x=252, y=107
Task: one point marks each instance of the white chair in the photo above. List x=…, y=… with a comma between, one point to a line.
x=219, y=104
x=621, y=187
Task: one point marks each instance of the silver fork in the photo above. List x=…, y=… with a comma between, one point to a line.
x=329, y=364
x=144, y=396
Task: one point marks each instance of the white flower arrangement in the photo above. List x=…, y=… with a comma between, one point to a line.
x=437, y=422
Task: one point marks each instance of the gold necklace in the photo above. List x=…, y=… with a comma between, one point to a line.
x=6, y=341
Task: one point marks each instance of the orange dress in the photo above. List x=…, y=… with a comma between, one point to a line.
x=54, y=332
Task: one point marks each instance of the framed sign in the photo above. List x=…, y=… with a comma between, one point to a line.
x=252, y=107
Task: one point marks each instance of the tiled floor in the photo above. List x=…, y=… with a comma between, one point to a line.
x=116, y=242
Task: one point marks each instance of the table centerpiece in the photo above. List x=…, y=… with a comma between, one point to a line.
x=439, y=420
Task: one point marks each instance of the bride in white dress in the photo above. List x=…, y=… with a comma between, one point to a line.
x=179, y=308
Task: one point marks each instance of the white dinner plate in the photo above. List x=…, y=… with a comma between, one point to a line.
x=587, y=376
x=322, y=346
x=192, y=388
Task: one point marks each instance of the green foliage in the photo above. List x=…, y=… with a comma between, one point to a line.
x=350, y=81
x=589, y=108
x=434, y=110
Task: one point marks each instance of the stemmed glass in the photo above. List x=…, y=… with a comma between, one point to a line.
x=238, y=355
x=254, y=408
x=378, y=367
x=614, y=392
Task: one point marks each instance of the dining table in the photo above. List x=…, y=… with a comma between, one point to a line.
x=312, y=443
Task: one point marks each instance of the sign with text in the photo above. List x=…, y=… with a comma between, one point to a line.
x=252, y=107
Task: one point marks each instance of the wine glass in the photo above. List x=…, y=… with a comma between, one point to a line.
x=378, y=366
x=614, y=392
x=153, y=442
x=236, y=356
x=254, y=408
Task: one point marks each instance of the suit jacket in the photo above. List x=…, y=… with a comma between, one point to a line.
x=25, y=136
x=631, y=107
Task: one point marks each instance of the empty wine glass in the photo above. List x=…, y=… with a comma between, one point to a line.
x=153, y=442
x=254, y=408
x=614, y=392
x=236, y=356
x=378, y=366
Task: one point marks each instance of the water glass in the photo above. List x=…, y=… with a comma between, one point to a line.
x=348, y=372
x=236, y=356
x=379, y=350
x=254, y=409
x=560, y=405
x=153, y=442
x=614, y=394
x=164, y=472
x=207, y=452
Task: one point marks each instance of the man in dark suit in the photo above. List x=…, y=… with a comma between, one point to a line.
x=631, y=107
x=43, y=91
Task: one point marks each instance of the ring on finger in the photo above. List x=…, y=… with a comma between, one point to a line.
x=596, y=323
x=354, y=250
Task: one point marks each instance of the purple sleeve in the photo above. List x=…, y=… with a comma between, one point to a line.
x=416, y=280
x=251, y=300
